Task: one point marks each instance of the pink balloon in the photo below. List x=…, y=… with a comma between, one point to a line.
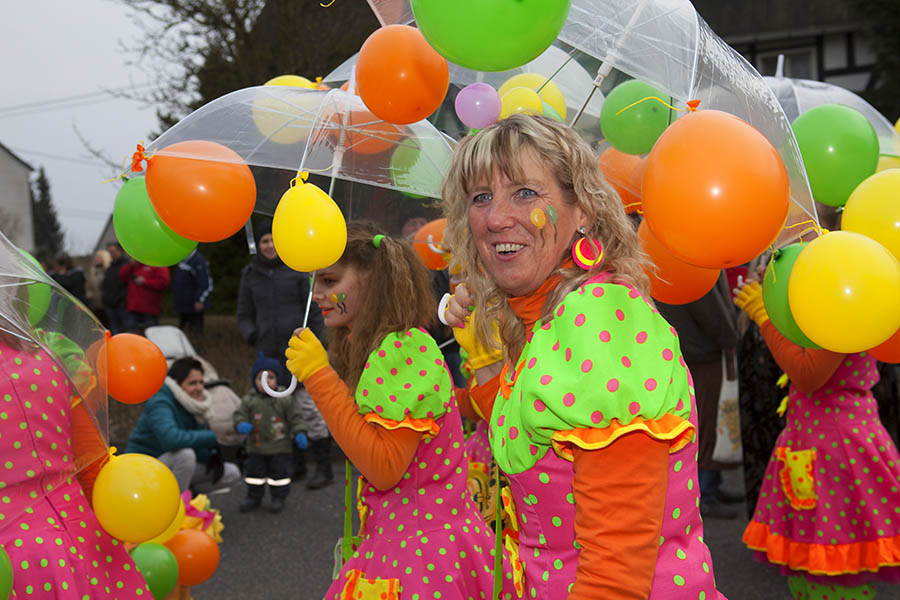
x=477, y=105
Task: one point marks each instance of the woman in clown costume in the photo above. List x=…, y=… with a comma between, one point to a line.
x=591, y=411
x=828, y=513
x=387, y=397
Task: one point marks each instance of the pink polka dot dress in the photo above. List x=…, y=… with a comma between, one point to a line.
x=56, y=546
x=425, y=533
x=605, y=365
x=830, y=500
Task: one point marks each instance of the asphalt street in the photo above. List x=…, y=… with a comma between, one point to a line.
x=290, y=555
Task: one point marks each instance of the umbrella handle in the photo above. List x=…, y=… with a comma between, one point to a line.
x=276, y=394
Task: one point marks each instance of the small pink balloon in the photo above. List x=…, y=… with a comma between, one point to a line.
x=478, y=105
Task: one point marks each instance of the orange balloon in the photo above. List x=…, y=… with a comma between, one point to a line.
x=715, y=193
x=429, y=239
x=618, y=169
x=364, y=133
x=888, y=351
x=400, y=77
x=674, y=281
x=132, y=366
x=203, y=190
x=197, y=555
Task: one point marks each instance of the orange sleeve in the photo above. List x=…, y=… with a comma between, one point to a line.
x=381, y=455
x=464, y=401
x=620, y=496
x=483, y=396
x=808, y=369
x=88, y=449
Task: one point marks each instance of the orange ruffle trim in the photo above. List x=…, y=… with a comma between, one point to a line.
x=668, y=427
x=822, y=559
x=426, y=426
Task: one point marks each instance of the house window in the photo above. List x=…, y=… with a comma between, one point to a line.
x=799, y=63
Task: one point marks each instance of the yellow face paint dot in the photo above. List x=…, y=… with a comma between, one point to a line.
x=538, y=218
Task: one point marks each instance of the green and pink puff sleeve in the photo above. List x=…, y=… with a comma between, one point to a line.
x=607, y=364
x=405, y=383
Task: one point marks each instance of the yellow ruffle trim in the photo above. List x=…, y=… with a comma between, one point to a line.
x=822, y=559
x=669, y=427
x=426, y=426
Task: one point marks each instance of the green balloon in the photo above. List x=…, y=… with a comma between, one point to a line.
x=420, y=165
x=490, y=35
x=633, y=129
x=839, y=148
x=38, y=294
x=158, y=566
x=142, y=232
x=775, y=295
x=6, y=574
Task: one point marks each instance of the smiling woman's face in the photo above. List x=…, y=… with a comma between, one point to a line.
x=519, y=255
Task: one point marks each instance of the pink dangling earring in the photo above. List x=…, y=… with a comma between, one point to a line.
x=587, y=252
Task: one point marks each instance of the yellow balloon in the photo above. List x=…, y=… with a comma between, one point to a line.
x=887, y=162
x=173, y=527
x=308, y=228
x=520, y=100
x=897, y=125
x=291, y=81
x=285, y=121
x=873, y=210
x=135, y=497
x=550, y=93
x=844, y=292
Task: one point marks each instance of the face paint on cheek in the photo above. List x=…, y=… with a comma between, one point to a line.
x=538, y=218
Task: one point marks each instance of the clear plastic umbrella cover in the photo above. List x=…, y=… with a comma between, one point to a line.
x=799, y=95
x=666, y=44
x=280, y=131
x=40, y=320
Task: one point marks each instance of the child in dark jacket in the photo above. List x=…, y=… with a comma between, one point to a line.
x=271, y=425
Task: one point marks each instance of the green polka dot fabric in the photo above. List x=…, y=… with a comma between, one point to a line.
x=606, y=358
x=405, y=378
x=850, y=524
x=425, y=532
x=56, y=546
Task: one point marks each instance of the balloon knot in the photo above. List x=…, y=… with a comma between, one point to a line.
x=137, y=158
x=112, y=452
x=692, y=105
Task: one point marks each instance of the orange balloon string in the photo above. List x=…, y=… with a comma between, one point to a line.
x=692, y=104
x=137, y=158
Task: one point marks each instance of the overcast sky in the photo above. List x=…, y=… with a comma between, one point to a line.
x=54, y=50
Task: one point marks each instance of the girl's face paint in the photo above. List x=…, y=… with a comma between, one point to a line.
x=340, y=294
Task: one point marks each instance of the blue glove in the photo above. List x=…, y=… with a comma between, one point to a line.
x=244, y=427
x=301, y=440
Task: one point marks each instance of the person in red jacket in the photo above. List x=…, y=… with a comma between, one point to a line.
x=146, y=285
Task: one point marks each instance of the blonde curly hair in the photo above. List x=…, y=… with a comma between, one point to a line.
x=569, y=158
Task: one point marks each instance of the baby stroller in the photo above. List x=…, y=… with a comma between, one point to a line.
x=174, y=345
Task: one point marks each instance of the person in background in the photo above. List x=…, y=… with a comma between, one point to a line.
x=272, y=427
x=707, y=331
x=192, y=286
x=99, y=265
x=146, y=285
x=70, y=276
x=272, y=300
x=173, y=428
x=114, y=291
x=411, y=226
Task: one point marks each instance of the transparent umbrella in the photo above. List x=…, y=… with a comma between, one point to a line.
x=799, y=95
x=43, y=323
x=280, y=131
x=667, y=45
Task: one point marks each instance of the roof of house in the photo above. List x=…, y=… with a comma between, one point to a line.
x=13, y=154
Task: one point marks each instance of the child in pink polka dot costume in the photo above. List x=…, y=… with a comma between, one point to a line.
x=592, y=414
x=387, y=397
x=828, y=513
x=47, y=527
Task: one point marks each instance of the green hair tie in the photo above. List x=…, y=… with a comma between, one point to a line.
x=376, y=241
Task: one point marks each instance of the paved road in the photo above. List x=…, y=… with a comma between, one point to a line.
x=289, y=555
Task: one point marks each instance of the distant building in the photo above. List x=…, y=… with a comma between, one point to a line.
x=107, y=236
x=15, y=199
x=820, y=39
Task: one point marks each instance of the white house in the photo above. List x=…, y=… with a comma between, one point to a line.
x=15, y=199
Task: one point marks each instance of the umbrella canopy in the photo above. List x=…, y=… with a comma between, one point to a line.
x=799, y=95
x=280, y=131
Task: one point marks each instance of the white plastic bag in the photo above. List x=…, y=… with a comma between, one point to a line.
x=728, y=447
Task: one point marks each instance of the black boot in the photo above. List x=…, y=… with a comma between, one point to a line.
x=248, y=504
x=321, y=453
x=299, y=464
